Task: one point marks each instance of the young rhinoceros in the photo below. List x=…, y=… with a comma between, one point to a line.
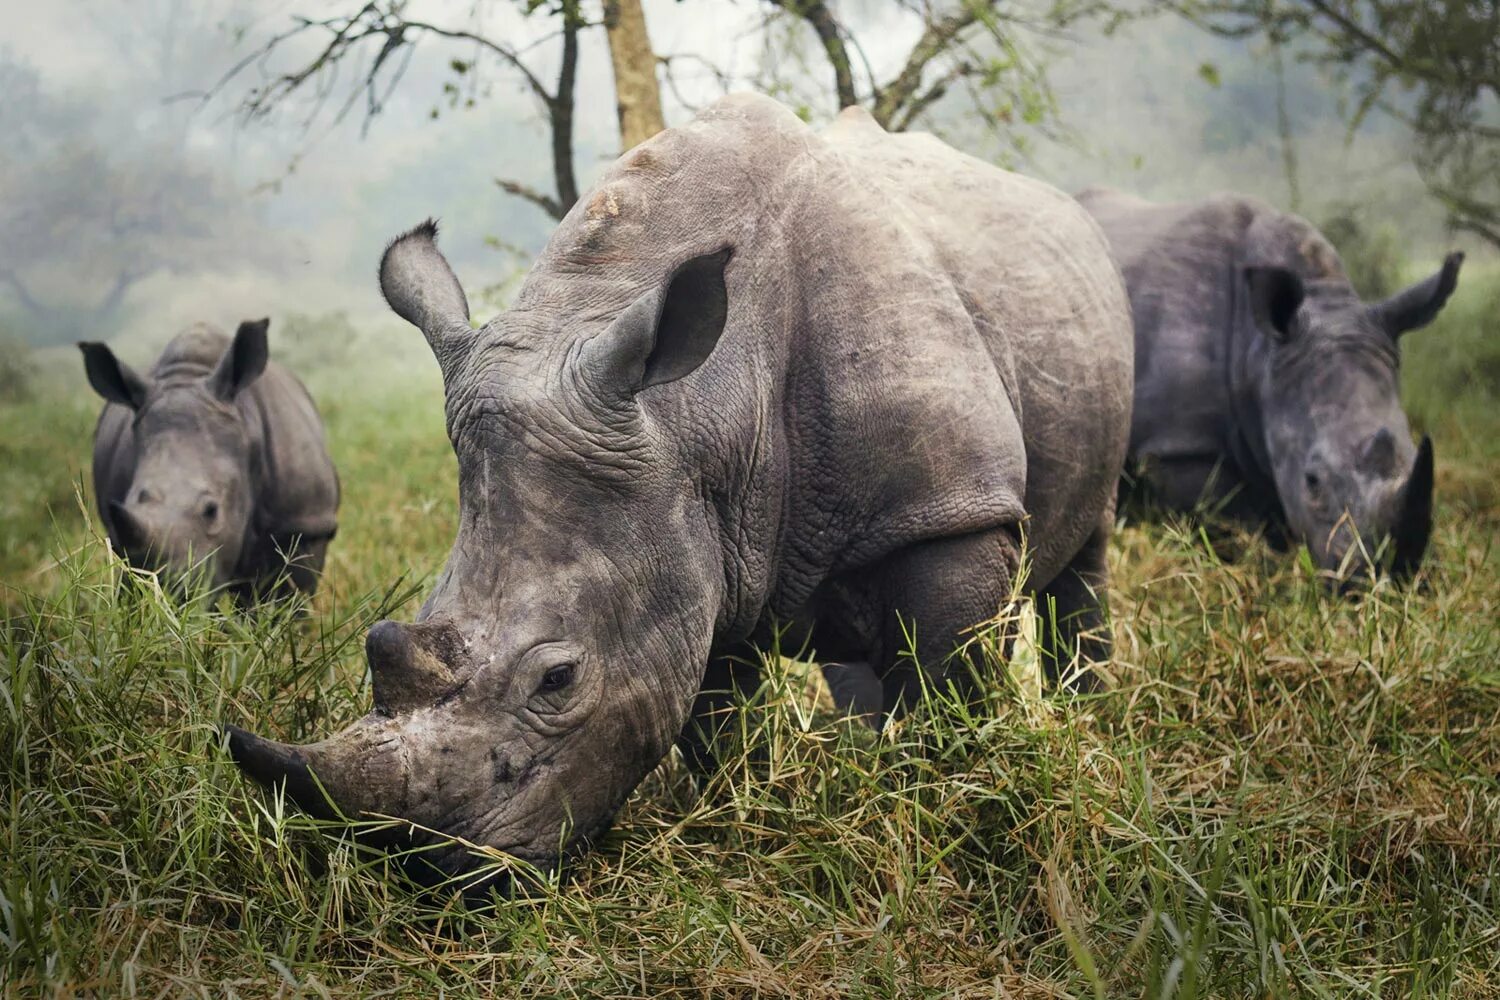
x=759, y=376
x=215, y=462
x=1264, y=387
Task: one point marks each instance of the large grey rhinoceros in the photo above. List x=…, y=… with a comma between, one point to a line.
x=759, y=377
x=1264, y=387
x=215, y=462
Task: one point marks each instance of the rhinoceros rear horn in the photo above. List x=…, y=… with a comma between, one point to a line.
x=422, y=289
x=1419, y=305
x=404, y=672
x=667, y=332
x=1414, y=520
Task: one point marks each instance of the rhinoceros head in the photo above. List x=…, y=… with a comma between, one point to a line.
x=1350, y=479
x=559, y=653
x=189, y=503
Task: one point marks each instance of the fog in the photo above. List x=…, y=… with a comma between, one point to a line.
x=134, y=200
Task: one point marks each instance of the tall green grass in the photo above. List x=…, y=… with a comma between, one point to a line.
x=1279, y=794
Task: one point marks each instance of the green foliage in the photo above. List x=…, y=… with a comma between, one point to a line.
x=307, y=343
x=1428, y=64
x=1281, y=793
x=1371, y=250
x=1451, y=375
x=17, y=370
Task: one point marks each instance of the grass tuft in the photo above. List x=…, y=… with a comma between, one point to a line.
x=1280, y=794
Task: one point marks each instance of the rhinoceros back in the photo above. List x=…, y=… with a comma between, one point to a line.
x=1036, y=278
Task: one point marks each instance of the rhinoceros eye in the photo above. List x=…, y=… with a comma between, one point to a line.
x=558, y=677
x=210, y=511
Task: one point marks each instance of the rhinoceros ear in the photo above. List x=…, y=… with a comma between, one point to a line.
x=110, y=377
x=1275, y=295
x=422, y=289
x=1419, y=305
x=667, y=332
x=243, y=362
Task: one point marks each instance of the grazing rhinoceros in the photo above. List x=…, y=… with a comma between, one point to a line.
x=760, y=377
x=215, y=461
x=1264, y=386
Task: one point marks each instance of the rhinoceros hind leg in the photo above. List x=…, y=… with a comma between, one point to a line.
x=1074, y=617
x=930, y=596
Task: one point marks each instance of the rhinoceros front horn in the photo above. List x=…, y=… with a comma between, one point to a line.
x=1414, y=520
x=356, y=772
x=128, y=528
x=273, y=764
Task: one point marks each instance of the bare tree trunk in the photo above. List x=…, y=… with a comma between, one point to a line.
x=1284, y=128
x=561, y=109
x=636, y=92
x=817, y=14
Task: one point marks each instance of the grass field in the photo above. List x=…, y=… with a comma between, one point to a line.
x=1281, y=794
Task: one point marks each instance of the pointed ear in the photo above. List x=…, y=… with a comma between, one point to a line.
x=1419, y=305
x=1275, y=295
x=667, y=332
x=243, y=362
x=422, y=289
x=111, y=378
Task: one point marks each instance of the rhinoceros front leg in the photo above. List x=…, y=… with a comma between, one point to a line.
x=727, y=681
x=856, y=690
x=928, y=598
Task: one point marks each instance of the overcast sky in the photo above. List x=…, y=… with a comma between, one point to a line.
x=323, y=201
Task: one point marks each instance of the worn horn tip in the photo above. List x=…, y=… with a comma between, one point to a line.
x=251, y=753
x=272, y=764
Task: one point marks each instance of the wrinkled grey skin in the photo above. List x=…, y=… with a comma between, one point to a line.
x=1264, y=386
x=759, y=376
x=214, y=463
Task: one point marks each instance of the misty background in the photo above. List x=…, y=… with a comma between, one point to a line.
x=136, y=199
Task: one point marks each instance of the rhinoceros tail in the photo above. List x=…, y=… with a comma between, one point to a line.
x=422, y=289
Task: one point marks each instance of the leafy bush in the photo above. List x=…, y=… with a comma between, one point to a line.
x=17, y=370
x=1371, y=250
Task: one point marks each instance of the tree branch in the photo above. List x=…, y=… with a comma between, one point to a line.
x=934, y=41
x=560, y=111
x=821, y=19
x=921, y=102
x=546, y=204
x=23, y=294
